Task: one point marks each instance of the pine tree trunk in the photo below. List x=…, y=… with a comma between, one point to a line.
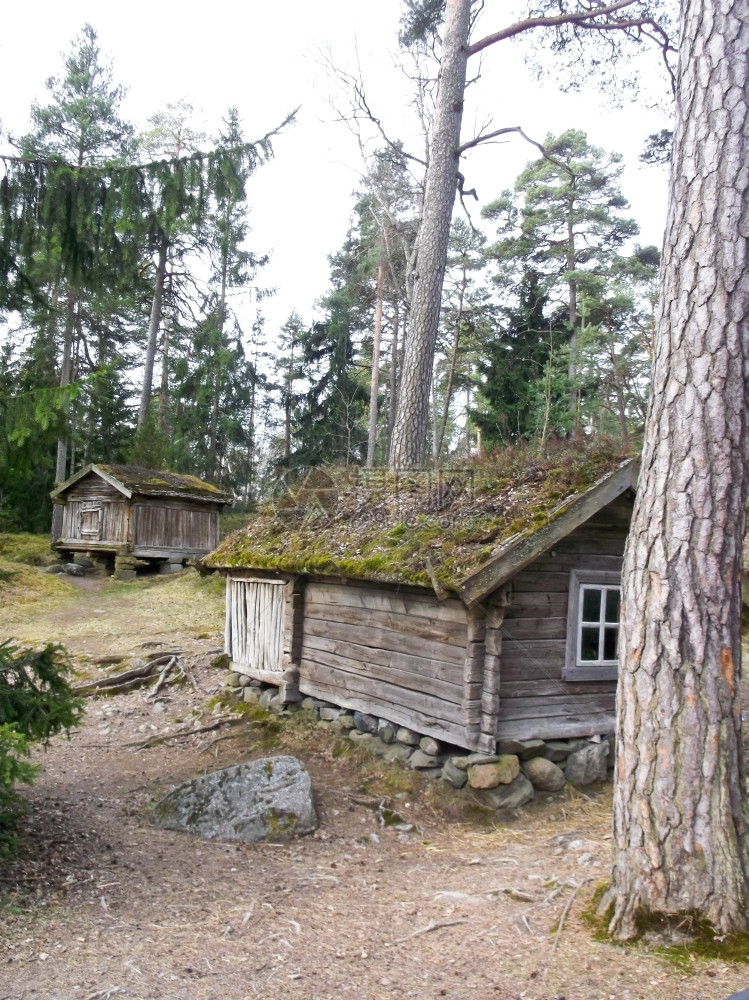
x=66, y=368
x=440, y=432
x=409, y=433
x=680, y=809
x=393, y=385
x=374, y=387
x=153, y=332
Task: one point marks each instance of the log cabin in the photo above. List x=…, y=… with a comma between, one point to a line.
x=474, y=607
x=124, y=510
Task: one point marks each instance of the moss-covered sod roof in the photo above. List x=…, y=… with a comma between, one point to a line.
x=149, y=482
x=432, y=529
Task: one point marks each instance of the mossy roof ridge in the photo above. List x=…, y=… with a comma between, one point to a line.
x=411, y=527
x=152, y=482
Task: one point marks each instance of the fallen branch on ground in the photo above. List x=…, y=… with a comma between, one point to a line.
x=153, y=741
x=435, y=925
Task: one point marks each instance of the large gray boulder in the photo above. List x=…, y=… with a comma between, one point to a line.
x=266, y=799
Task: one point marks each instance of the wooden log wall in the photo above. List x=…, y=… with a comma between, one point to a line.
x=400, y=655
x=113, y=524
x=174, y=525
x=535, y=701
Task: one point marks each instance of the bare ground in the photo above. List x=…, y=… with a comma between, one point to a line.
x=103, y=905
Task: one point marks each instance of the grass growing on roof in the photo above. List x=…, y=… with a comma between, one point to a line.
x=414, y=527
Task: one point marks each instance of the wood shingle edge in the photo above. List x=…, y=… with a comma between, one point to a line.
x=517, y=553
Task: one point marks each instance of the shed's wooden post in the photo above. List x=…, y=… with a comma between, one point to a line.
x=473, y=677
x=292, y=638
x=490, y=694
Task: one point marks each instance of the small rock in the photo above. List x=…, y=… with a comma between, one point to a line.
x=453, y=775
x=430, y=746
x=543, y=774
x=386, y=731
x=511, y=796
x=308, y=704
x=73, y=569
x=328, y=714
x=244, y=681
x=343, y=724
x=251, y=696
x=265, y=698
x=474, y=758
x=159, y=707
x=359, y=738
x=588, y=764
x=558, y=750
x=396, y=752
x=530, y=749
x=221, y=662
x=55, y=569
x=502, y=772
x=232, y=679
x=407, y=737
x=365, y=723
x=123, y=575
x=421, y=761
x=276, y=704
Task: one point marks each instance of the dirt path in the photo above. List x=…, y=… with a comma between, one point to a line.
x=103, y=905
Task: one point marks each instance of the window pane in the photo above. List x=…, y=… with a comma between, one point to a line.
x=612, y=605
x=591, y=605
x=589, y=644
x=610, y=636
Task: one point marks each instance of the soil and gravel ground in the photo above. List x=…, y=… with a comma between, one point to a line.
x=100, y=904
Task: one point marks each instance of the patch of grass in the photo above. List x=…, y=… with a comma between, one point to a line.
x=21, y=586
x=32, y=550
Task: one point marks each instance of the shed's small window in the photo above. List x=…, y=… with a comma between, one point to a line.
x=592, y=626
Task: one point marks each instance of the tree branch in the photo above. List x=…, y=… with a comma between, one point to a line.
x=505, y=131
x=580, y=18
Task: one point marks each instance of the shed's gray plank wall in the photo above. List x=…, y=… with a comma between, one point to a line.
x=399, y=656
x=167, y=525
x=535, y=702
x=93, y=490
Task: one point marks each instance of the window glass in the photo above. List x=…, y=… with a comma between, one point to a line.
x=591, y=604
x=609, y=643
x=589, y=644
x=612, y=605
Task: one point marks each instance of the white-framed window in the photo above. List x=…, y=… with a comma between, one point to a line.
x=592, y=626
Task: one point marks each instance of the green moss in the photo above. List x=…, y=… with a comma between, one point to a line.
x=415, y=528
x=678, y=938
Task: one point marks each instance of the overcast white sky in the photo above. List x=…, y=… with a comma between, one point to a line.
x=264, y=58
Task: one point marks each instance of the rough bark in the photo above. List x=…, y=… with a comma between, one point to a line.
x=153, y=331
x=374, y=387
x=409, y=433
x=680, y=812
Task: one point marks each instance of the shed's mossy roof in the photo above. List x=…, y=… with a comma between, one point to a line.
x=149, y=482
x=430, y=528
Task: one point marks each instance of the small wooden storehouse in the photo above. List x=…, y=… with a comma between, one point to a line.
x=469, y=609
x=124, y=510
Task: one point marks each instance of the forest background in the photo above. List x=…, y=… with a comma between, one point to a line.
x=546, y=324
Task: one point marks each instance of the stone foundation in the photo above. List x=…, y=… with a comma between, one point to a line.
x=507, y=779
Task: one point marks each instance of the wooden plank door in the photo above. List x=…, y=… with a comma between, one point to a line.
x=255, y=626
